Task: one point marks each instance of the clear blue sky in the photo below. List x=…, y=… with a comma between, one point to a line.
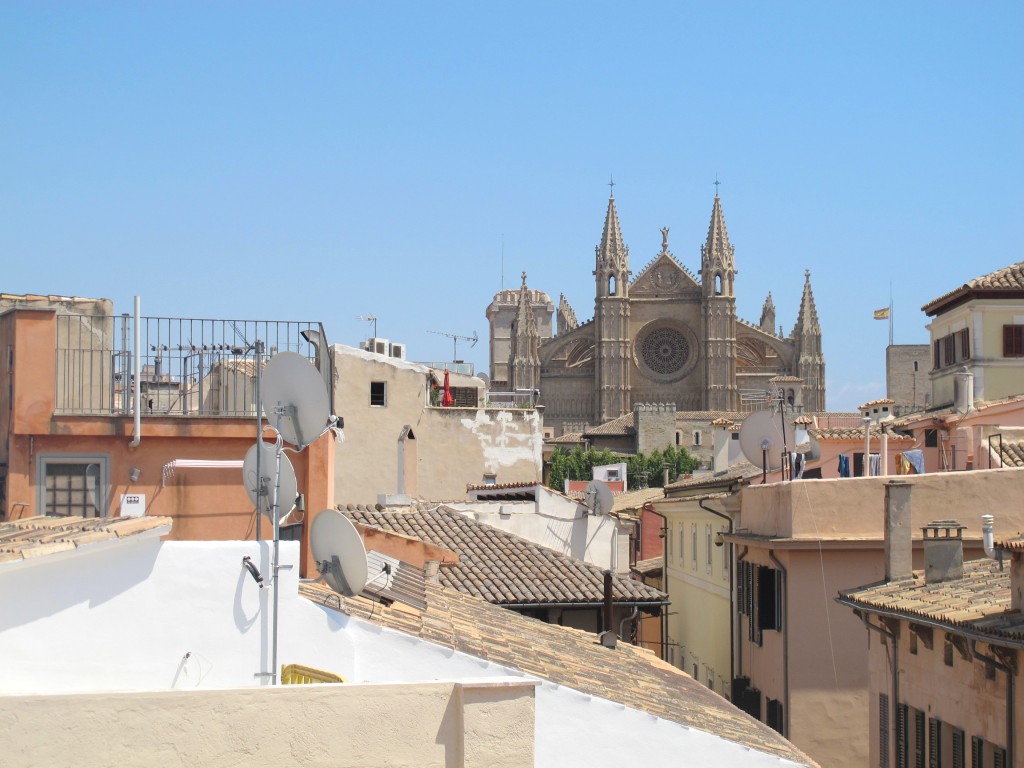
x=321, y=161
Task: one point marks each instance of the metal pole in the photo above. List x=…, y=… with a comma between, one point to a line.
x=260, y=490
x=279, y=445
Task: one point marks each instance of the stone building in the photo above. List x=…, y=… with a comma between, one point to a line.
x=665, y=336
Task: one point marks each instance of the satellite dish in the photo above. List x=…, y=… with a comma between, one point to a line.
x=295, y=399
x=268, y=467
x=598, y=497
x=761, y=432
x=339, y=553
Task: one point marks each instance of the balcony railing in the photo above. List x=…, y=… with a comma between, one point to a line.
x=190, y=366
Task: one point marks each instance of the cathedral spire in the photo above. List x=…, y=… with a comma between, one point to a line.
x=807, y=317
x=524, y=360
x=718, y=236
x=717, y=255
x=612, y=253
x=768, y=314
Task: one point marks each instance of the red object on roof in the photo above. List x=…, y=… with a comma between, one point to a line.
x=446, y=398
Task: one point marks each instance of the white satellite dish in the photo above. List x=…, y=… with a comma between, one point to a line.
x=339, y=553
x=761, y=440
x=268, y=468
x=598, y=497
x=295, y=399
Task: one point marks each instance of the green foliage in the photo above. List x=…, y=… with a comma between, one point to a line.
x=641, y=471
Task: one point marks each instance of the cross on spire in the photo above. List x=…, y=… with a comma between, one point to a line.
x=717, y=182
x=611, y=186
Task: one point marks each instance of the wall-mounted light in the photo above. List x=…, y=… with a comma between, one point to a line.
x=135, y=474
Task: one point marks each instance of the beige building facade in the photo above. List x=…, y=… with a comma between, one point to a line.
x=667, y=335
x=799, y=656
x=400, y=441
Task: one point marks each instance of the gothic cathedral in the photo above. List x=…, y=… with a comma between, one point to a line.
x=666, y=336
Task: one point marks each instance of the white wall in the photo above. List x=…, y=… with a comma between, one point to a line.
x=153, y=616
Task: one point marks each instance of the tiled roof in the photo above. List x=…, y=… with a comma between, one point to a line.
x=635, y=499
x=649, y=566
x=721, y=421
x=709, y=416
x=879, y=401
x=31, y=537
x=630, y=676
x=855, y=434
x=624, y=425
x=531, y=484
x=1008, y=279
x=803, y=420
x=738, y=471
x=980, y=601
x=1011, y=545
x=501, y=567
x=1011, y=453
x=568, y=437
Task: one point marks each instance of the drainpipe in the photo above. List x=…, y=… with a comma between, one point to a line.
x=785, y=633
x=741, y=557
x=894, y=660
x=649, y=507
x=732, y=575
x=1009, y=696
x=137, y=371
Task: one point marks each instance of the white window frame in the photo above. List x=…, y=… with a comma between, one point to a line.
x=102, y=501
x=693, y=546
x=384, y=384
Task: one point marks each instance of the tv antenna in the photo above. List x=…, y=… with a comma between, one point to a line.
x=598, y=498
x=293, y=396
x=455, y=342
x=370, y=319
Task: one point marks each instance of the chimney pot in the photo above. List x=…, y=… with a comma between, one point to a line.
x=943, y=551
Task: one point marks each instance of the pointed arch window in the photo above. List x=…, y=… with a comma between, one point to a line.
x=611, y=285
x=718, y=285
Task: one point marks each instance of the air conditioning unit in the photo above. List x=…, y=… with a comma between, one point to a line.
x=398, y=350
x=377, y=346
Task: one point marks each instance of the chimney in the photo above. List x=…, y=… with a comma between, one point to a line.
x=943, y=551
x=608, y=636
x=898, y=544
x=432, y=571
x=720, y=437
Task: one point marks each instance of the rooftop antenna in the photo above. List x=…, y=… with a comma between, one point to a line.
x=370, y=319
x=455, y=342
x=296, y=403
x=503, y=261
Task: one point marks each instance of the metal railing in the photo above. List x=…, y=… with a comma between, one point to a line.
x=190, y=366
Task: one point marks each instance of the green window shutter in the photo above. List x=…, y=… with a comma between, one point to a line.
x=883, y=730
x=918, y=738
x=934, y=743
x=958, y=748
x=998, y=758
x=977, y=752
x=902, y=726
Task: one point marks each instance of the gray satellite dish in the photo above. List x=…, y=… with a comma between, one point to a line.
x=295, y=399
x=760, y=433
x=339, y=553
x=598, y=497
x=268, y=467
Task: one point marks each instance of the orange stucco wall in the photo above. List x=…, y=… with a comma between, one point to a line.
x=206, y=504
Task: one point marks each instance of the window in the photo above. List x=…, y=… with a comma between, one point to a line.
x=1013, y=341
x=919, y=718
x=902, y=736
x=934, y=743
x=774, y=715
x=682, y=543
x=696, y=438
x=931, y=438
x=953, y=347
x=957, y=748
x=708, y=545
x=759, y=598
x=736, y=436
x=726, y=564
x=693, y=546
x=73, y=485
x=883, y=730
x=668, y=543
x=378, y=393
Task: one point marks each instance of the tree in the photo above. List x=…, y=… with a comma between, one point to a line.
x=641, y=471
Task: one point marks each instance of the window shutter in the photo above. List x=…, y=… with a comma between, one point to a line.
x=741, y=587
x=998, y=758
x=965, y=344
x=977, y=752
x=934, y=743
x=958, y=748
x=902, y=753
x=775, y=715
x=918, y=738
x=937, y=356
x=883, y=730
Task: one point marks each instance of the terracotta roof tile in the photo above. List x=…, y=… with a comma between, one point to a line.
x=568, y=437
x=627, y=675
x=1010, y=452
x=980, y=601
x=852, y=433
x=1008, y=279
x=624, y=425
x=738, y=471
x=31, y=537
x=879, y=401
x=501, y=567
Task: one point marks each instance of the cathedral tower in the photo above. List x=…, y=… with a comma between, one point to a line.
x=810, y=361
x=718, y=309
x=613, y=354
x=524, y=355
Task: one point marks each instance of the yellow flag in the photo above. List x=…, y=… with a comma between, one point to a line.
x=882, y=314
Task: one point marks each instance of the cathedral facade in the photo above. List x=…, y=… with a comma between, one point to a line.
x=666, y=335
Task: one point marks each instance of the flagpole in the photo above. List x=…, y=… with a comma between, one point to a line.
x=890, y=313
